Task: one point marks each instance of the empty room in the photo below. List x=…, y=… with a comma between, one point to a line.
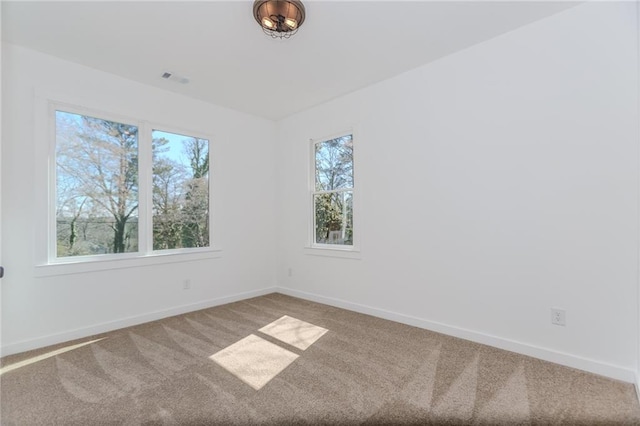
x=320, y=212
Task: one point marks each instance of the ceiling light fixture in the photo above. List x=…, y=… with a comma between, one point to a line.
x=279, y=18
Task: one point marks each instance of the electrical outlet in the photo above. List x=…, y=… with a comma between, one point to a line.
x=290, y=272
x=558, y=316
x=186, y=284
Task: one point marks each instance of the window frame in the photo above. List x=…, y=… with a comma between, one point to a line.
x=47, y=263
x=149, y=175
x=324, y=249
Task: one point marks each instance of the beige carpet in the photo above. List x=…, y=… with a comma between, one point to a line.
x=281, y=360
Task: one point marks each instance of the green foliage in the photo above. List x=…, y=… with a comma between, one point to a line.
x=94, y=236
x=334, y=218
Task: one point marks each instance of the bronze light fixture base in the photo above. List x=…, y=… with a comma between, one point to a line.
x=279, y=18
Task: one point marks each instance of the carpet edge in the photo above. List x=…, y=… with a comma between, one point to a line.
x=568, y=360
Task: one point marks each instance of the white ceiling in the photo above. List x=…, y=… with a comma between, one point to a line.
x=342, y=46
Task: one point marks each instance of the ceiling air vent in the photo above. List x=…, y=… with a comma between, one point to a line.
x=174, y=77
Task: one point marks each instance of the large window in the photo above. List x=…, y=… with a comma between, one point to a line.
x=333, y=192
x=120, y=188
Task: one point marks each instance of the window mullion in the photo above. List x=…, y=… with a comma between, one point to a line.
x=332, y=191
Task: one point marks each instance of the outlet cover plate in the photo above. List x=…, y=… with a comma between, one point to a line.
x=558, y=317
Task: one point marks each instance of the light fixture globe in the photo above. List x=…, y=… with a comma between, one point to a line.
x=279, y=18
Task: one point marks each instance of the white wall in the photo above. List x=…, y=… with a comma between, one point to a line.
x=493, y=184
x=42, y=310
x=638, y=313
x=1, y=81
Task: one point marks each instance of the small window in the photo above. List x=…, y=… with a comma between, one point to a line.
x=96, y=203
x=333, y=192
x=180, y=191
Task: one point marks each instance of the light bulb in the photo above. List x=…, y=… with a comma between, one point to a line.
x=291, y=23
x=267, y=23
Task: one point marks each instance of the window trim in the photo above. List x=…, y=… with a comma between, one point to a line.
x=46, y=261
x=331, y=250
x=131, y=261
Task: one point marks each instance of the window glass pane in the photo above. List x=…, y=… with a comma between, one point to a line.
x=180, y=191
x=334, y=164
x=96, y=186
x=334, y=218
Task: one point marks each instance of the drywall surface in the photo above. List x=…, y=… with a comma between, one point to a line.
x=491, y=186
x=638, y=295
x=38, y=310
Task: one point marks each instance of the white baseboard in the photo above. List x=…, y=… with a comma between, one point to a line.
x=580, y=363
x=52, y=339
x=597, y=367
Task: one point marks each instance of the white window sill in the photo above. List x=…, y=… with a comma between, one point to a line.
x=334, y=251
x=94, y=265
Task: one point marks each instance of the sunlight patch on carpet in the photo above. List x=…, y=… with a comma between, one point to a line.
x=45, y=356
x=294, y=332
x=254, y=360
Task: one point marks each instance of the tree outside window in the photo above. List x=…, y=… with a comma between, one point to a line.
x=97, y=188
x=180, y=191
x=333, y=191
